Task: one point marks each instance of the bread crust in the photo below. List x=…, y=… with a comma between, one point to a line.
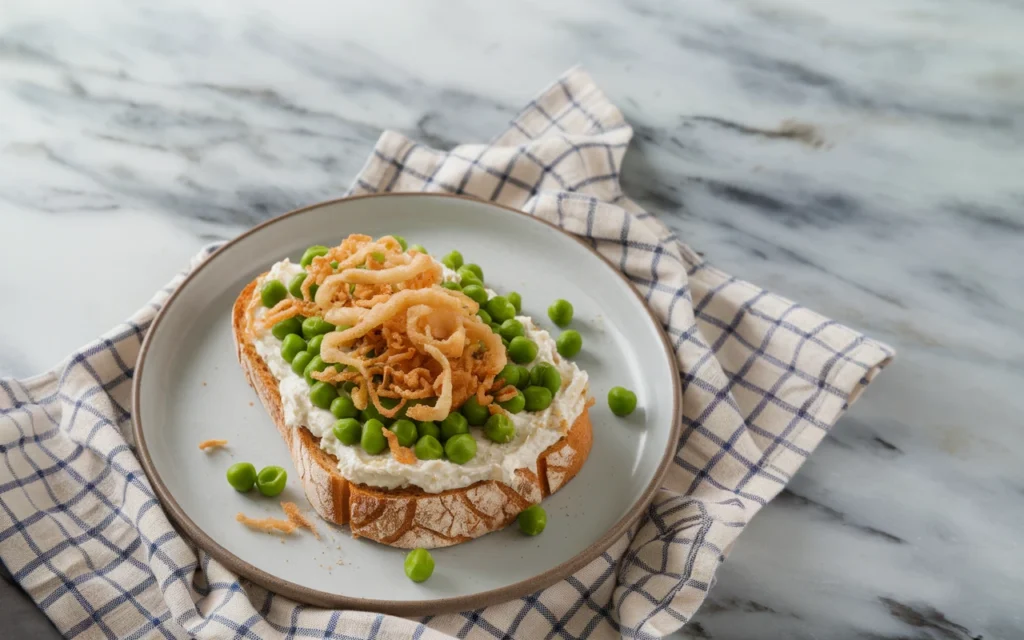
x=409, y=517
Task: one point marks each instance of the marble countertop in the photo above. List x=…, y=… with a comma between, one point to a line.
x=862, y=158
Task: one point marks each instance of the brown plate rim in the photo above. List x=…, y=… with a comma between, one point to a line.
x=418, y=607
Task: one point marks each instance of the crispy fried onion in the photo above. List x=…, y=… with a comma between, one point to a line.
x=425, y=344
x=443, y=407
x=437, y=298
x=406, y=345
x=392, y=275
x=287, y=308
x=344, y=316
x=423, y=323
x=404, y=455
x=366, y=271
x=506, y=393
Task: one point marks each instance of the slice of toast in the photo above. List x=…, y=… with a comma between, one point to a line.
x=408, y=517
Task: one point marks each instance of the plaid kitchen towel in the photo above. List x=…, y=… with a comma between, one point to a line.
x=763, y=381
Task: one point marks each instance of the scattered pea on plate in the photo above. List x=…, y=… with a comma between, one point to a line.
x=419, y=565
x=532, y=520
x=271, y=480
x=560, y=312
x=242, y=476
x=569, y=343
x=621, y=401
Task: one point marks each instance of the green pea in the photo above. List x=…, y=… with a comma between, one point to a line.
x=348, y=386
x=322, y=394
x=475, y=268
x=454, y=286
x=373, y=439
x=499, y=428
x=454, y=425
x=486, y=317
x=343, y=407
x=460, y=448
x=301, y=361
x=419, y=248
x=371, y=413
x=522, y=350
x=378, y=256
x=517, y=301
x=419, y=565
x=537, y=398
x=287, y=327
x=453, y=260
x=510, y=374
x=272, y=292
x=475, y=292
x=505, y=343
x=316, y=364
x=532, y=520
x=334, y=264
x=511, y=328
x=516, y=404
x=271, y=480
x=547, y=376
x=312, y=252
x=524, y=377
x=348, y=431
x=401, y=242
x=406, y=432
x=475, y=414
x=313, y=346
x=242, y=476
x=500, y=309
x=315, y=326
x=621, y=401
x=467, y=276
x=428, y=429
x=569, y=343
x=428, y=448
x=295, y=284
x=495, y=327
x=291, y=345
x=560, y=313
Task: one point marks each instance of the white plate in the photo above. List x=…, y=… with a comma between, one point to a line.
x=189, y=388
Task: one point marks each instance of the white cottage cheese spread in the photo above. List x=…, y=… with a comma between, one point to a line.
x=535, y=431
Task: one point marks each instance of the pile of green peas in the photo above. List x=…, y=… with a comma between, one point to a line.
x=499, y=312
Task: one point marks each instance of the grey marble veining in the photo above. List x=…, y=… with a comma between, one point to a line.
x=863, y=158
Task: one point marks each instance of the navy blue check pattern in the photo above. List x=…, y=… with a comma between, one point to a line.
x=763, y=380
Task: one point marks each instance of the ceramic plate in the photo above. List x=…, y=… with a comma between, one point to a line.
x=189, y=387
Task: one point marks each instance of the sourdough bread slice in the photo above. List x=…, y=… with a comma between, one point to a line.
x=407, y=517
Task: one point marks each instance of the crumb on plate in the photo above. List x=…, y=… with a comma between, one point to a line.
x=267, y=525
x=211, y=444
x=295, y=517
